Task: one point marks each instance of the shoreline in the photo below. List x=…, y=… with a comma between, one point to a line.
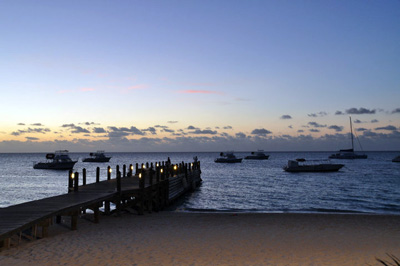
x=187, y=238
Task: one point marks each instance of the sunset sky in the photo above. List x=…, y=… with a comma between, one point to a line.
x=141, y=76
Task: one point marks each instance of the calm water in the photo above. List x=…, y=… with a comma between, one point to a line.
x=369, y=186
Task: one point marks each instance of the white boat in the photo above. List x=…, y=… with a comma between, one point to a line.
x=396, y=159
x=228, y=157
x=97, y=157
x=59, y=160
x=257, y=155
x=305, y=166
x=348, y=153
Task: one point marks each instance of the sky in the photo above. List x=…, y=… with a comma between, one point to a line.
x=148, y=76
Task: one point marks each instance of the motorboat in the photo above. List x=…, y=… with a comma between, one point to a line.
x=97, y=157
x=348, y=153
x=59, y=160
x=396, y=159
x=257, y=155
x=305, y=166
x=228, y=157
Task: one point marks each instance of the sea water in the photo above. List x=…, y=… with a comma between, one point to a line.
x=361, y=186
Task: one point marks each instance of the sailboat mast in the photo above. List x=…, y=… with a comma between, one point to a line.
x=351, y=130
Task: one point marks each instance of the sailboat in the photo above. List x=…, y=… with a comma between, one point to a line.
x=348, y=153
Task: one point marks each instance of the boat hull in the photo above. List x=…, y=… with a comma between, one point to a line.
x=314, y=168
x=55, y=166
x=349, y=156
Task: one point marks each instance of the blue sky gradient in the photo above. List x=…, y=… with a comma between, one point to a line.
x=198, y=75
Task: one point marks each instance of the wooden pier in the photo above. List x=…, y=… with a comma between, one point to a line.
x=151, y=188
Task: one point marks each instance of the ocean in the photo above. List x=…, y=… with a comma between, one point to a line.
x=361, y=186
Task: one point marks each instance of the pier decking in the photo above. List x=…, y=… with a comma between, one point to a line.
x=151, y=188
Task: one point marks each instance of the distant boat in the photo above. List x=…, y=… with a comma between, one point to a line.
x=295, y=166
x=228, y=157
x=348, y=153
x=258, y=155
x=97, y=157
x=396, y=159
x=59, y=160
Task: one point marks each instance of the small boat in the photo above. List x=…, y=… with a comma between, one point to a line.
x=348, y=153
x=294, y=166
x=396, y=159
x=258, y=155
x=97, y=157
x=228, y=157
x=59, y=160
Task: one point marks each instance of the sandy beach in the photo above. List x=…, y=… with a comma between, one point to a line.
x=176, y=238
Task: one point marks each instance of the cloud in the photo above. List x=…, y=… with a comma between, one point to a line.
x=361, y=129
x=320, y=114
x=389, y=127
x=339, y=113
x=31, y=130
x=89, y=123
x=20, y=124
x=360, y=111
x=374, y=121
x=285, y=117
x=240, y=135
x=172, y=122
x=315, y=124
x=227, y=127
x=261, y=132
x=199, y=92
x=397, y=110
x=357, y=121
x=75, y=129
x=300, y=131
x=152, y=130
x=336, y=128
x=130, y=131
x=206, y=132
x=99, y=130
x=314, y=130
x=37, y=125
x=31, y=138
x=192, y=127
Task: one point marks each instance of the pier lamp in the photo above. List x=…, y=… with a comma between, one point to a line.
x=72, y=175
x=175, y=167
x=131, y=167
x=143, y=166
x=161, y=170
x=110, y=170
x=140, y=175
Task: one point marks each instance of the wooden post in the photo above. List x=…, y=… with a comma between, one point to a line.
x=97, y=174
x=108, y=172
x=137, y=168
x=124, y=170
x=84, y=177
x=118, y=204
x=76, y=182
x=70, y=181
x=117, y=170
x=74, y=220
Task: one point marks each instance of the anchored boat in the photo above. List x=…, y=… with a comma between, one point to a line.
x=228, y=157
x=258, y=155
x=97, y=157
x=348, y=153
x=59, y=160
x=304, y=166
